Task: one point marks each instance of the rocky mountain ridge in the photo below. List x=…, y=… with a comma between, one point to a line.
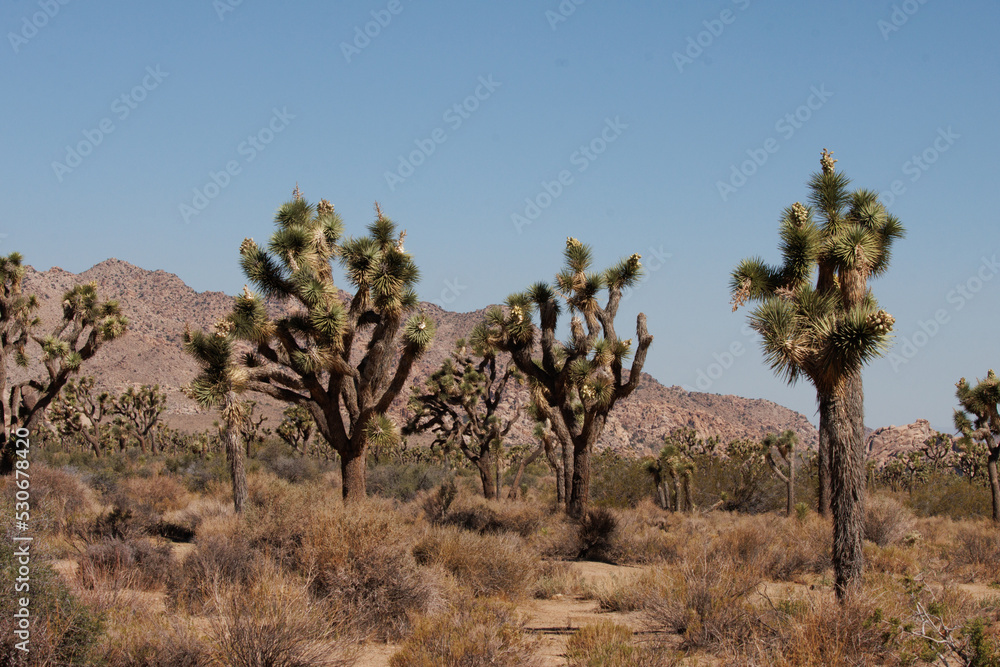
x=159, y=305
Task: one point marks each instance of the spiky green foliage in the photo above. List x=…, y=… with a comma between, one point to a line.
x=313, y=356
x=296, y=427
x=88, y=322
x=460, y=405
x=575, y=383
x=829, y=331
x=978, y=421
x=218, y=385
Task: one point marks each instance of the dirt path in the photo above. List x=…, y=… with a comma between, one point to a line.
x=552, y=620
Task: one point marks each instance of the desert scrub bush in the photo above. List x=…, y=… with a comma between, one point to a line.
x=628, y=592
x=597, y=530
x=556, y=578
x=640, y=537
x=618, y=481
x=138, y=635
x=60, y=501
x=275, y=622
x=472, y=633
x=704, y=599
x=182, y=525
x=608, y=644
x=219, y=560
x=63, y=630
x=951, y=495
x=976, y=548
x=486, y=564
x=360, y=559
x=886, y=520
x=404, y=481
x=137, y=563
x=493, y=516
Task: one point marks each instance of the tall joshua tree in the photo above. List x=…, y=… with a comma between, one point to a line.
x=308, y=356
x=87, y=323
x=828, y=331
x=218, y=385
x=461, y=402
x=581, y=380
x=979, y=419
x=783, y=465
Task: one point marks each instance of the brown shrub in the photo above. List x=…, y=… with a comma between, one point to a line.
x=494, y=516
x=60, y=502
x=219, y=560
x=887, y=520
x=274, y=622
x=473, y=633
x=703, y=598
x=486, y=564
x=608, y=644
x=133, y=563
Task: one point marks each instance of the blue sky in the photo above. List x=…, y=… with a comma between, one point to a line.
x=164, y=133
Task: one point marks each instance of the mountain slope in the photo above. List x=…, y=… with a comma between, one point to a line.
x=159, y=304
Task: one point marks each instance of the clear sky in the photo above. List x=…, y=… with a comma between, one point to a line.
x=164, y=133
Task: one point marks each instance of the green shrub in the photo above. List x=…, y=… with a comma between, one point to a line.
x=403, y=481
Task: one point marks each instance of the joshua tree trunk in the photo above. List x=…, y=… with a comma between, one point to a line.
x=353, y=464
x=567, y=469
x=790, y=505
x=487, y=474
x=688, y=499
x=579, y=494
x=991, y=467
x=845, y=417
x=550, y=455
x=515, y=483
x=823, y=463
x=234, y=453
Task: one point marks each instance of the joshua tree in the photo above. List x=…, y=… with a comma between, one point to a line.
x=142, y=408
x=79, y=410
x=937, y=450
x=783, y=464
x=461, y=402
x=581, y=380
x=254, y=431
x=978, y=420
x=87, y=324
x=296, y=427
x=829, y=331
x=307, y=357
x=218, y=385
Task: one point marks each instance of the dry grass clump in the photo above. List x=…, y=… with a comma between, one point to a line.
x=776, y=548
x=137, y=636
x=629, y=592
x=608, y=644
x=219, y=560
x=557, y=578
x=275, y=622
x=486, y=564
x=976, y=549
x=704, y=599
x=368, y=569
x=143, y=564
x=493, y=516
x=60, y=502
x=473, y=633
x=887, y=521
